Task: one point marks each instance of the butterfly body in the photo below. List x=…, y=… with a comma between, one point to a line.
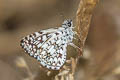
x=49, y=46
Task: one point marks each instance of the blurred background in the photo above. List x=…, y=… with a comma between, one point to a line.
x=18, y=18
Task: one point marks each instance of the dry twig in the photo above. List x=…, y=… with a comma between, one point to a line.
x=83, y=19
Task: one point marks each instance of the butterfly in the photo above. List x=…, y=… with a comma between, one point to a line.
x=49, y=46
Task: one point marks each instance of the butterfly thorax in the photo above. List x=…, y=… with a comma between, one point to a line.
x=67, y=31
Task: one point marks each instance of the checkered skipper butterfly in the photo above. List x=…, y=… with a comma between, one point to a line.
x=49, y=46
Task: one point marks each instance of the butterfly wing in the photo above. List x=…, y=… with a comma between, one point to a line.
x=34, y=41
x=47, y=46
x=54, y=55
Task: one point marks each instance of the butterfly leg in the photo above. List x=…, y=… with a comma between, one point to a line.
x=78, y=35
x=75, y=32
x=75, y=38
x=73, y=45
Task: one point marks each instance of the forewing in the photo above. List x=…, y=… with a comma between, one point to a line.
x=32, y=43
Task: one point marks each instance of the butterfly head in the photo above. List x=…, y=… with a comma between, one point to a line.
x=67, y=23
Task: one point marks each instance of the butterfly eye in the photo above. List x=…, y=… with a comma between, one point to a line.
x=69, y=24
